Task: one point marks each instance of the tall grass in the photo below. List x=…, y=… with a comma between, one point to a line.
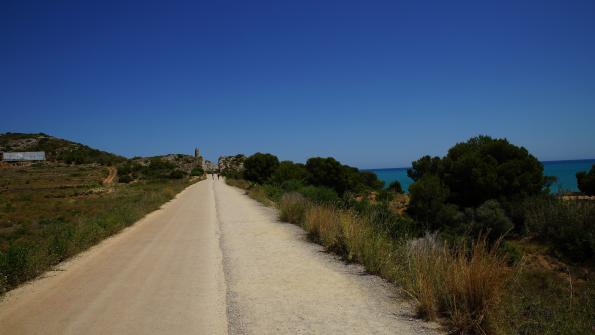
x=465, y=283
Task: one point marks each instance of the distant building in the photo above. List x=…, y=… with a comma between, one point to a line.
x=23, y=156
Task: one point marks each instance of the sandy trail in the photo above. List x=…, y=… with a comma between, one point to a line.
x=113, y=172
x=212, y=261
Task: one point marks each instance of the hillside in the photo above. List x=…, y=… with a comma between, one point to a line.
x=57, y=149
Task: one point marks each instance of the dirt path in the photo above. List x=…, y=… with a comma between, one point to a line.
x=113, y=172
x=212, y=261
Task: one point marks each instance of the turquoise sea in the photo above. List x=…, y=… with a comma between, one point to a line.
x=565, y=171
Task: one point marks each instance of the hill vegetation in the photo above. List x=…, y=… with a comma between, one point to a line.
x=56, y=149
x=50, y=211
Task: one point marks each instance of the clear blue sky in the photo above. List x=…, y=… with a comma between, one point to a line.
x=372, y=83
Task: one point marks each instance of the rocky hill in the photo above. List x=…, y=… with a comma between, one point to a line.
x=57, y=149
x=231, y=166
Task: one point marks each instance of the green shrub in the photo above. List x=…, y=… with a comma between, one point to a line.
x=259, y=167
x=568, y=226
x=490, y=219
x=292, y=185
x=395, y=187
x=586, y=181
x=288, y=170
x=197, y=171
x=124, y=179
x=177, y=174
x=320, y=194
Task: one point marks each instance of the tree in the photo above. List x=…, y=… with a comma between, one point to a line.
x=370, y=179
x=586, y=181
x=395, y=187
x=484, y=168
x=423, y=166
x=327, y=172
x=259, y=167
x=428, y=197
x=288, y=170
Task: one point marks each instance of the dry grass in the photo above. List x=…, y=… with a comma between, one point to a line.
x=293, y=207
x=239, y=183
x=462, y=283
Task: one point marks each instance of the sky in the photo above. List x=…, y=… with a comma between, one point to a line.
x=374, y=84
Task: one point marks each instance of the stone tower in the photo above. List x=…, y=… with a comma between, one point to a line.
x=198, y=158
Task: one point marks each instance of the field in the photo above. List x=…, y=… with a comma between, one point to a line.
x=50, y=212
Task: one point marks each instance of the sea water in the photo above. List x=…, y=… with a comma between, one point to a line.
x=564, y=171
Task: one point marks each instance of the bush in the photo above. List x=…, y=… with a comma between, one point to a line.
x=586, y=181
x=490, y=219
x=124, y=179
x=395, y=187
x=177, y=174
x=197, y=171
x=566, y=225
x=320, y=195
x=259, y=167
x=288, y=170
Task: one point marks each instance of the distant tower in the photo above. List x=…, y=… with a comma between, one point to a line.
x=198, y=158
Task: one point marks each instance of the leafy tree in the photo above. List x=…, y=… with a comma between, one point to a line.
x=259, y=167
x=395, y=187
x=586, y=181
x=330, y=173
x=484, y=168
x=423, y=166
x=288, y=170
x=327, y=172
x=428, y=197
x=370, y=179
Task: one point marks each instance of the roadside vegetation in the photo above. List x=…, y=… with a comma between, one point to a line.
x=50, y=211
x=481, y=245
x=586, y=181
